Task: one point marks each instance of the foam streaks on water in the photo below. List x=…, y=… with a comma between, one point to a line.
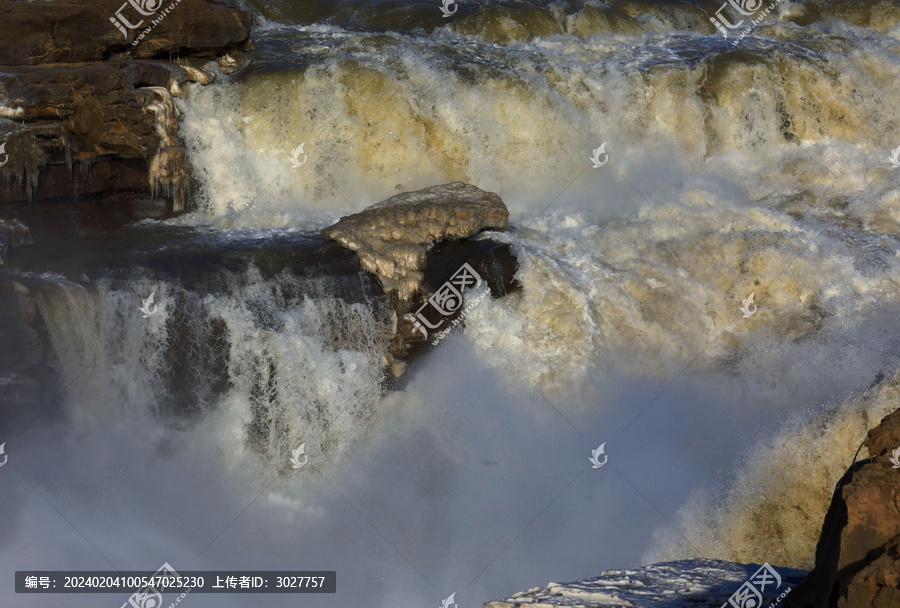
x=757, y=166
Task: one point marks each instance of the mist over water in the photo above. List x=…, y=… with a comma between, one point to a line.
x=762, y=169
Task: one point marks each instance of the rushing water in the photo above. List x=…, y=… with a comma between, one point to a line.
x=759, y=166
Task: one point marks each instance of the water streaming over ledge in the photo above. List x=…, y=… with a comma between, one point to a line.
x=284, y=328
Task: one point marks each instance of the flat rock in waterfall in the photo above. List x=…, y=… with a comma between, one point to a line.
x=107, y=116
x=693, y=582
x=79, y=86
x=71, y=31
x=392, y=237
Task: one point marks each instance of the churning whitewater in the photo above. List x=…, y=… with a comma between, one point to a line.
x=761, y=168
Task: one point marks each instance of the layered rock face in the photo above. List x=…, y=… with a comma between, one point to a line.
x=74, y=89
x=858, y=554
x=74, y=31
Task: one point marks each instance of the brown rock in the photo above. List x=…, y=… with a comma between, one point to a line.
x=74, y=31
x=878, y=584
x=857, y=561
x=101, y=115
x=395, y=240
x=493, y=261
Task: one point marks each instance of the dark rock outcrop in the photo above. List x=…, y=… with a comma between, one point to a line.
x=858, y=554
x=75, y=31
x=102, y=104
x=98, y=116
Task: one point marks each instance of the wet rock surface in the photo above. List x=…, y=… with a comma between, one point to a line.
x=74, y=31
x=393, y=237
x=91, y=129
x=85, y=113
x=858, y=554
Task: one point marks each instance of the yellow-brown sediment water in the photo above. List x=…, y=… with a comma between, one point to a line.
x=734, y=169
